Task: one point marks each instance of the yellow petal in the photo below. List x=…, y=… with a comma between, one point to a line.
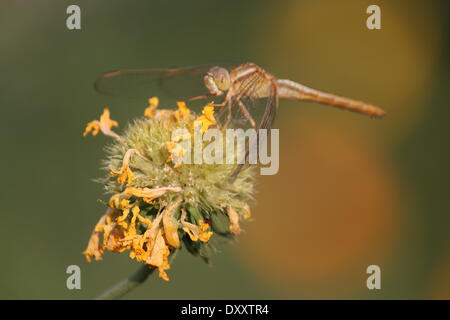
x=94, y=247
x=104, y=125
x=183, y=112
x=204, y=235
x=114, y=201
x=247, y=213
x=208, y=112
x=146, y=221
x=171, y=229
x=163, y=275
x=125, y=204
x=150, y=193
x=206, y=119
x=153, y=104
x=92, y=127
x=191, y=229
x=156, y=258
x=125, y=173
x=114, y=241
x=135, y=210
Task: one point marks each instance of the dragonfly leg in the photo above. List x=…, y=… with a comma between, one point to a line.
x=246, y=113
x=205, y=96
x=229, y=114
x=220, y=105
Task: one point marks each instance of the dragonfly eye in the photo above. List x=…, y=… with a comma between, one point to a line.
x=221, y=77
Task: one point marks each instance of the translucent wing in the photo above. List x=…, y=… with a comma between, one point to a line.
x=256, y=101
x=271, y=107
x=180, y=83
x=253, y=104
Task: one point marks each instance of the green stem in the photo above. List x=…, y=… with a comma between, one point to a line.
x=128, y=284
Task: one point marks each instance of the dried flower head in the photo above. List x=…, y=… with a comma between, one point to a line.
x=158, y=204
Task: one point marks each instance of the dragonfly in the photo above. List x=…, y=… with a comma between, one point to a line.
x=246, y=90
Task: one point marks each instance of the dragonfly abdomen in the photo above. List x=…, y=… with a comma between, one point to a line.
x=288, y=89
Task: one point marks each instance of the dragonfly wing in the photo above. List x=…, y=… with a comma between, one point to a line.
x=271, y=107
x=260, y=97
x=255, y=100
x=180, y=83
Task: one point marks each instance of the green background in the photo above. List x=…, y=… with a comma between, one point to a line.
x=49, y=201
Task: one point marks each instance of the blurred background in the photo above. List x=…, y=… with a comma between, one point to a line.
x=351, y=191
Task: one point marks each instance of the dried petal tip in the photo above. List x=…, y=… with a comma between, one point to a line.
x=153, y=104
x=125, y=173
x=149, y=194
x=197, y=232
x=95, y=248
x=234, y=221
x=104, y=125
x=183, y=112
x=171, y=226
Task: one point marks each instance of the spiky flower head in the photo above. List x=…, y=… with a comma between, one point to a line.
x=158, y=204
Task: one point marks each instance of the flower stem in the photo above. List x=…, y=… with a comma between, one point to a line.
x=130, y=283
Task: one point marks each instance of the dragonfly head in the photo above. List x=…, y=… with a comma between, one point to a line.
x=217, y=80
